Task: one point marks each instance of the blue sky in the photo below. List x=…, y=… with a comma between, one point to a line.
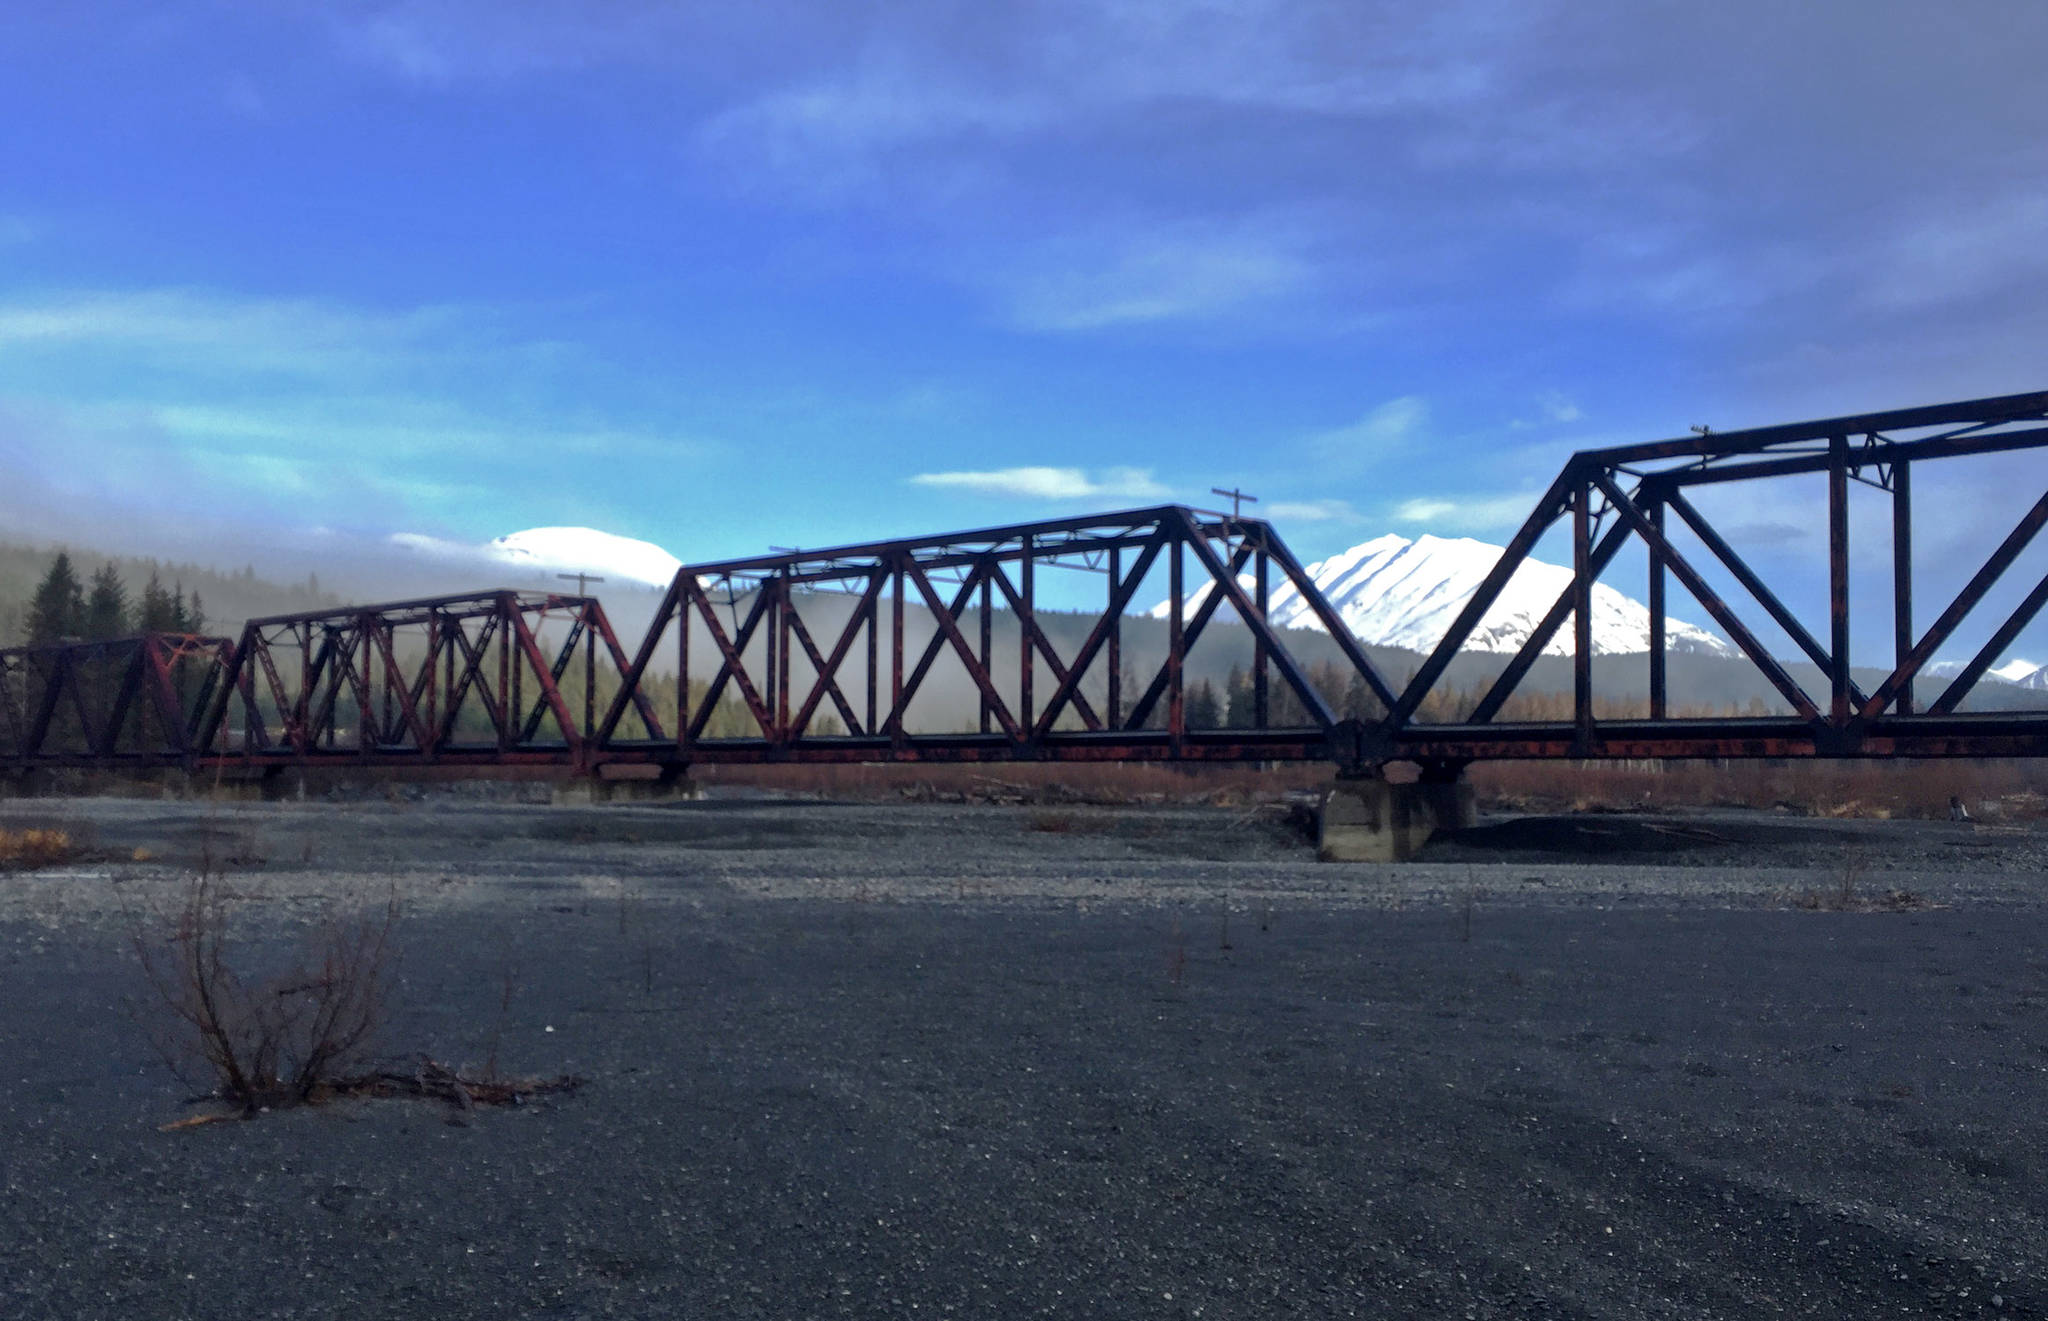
x=798, y=273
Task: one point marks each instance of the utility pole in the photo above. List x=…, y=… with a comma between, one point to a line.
x=1237, y=499
x=583, y=581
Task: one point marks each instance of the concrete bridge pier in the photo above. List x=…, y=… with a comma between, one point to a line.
x=1369, y=818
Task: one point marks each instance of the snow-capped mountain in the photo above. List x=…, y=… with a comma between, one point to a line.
x=1402, y=593
x=586, y=550
x=542, y=552
x=2021, y=673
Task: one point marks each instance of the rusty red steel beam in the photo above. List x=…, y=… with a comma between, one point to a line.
x=1682, y=569
x=1757, y=588
x=353, y=651
x=112, y=701
x=1966, y=600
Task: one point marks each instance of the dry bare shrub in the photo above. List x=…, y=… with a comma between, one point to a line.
x=1873, y=789
x=276, y=1040
x=30, y=848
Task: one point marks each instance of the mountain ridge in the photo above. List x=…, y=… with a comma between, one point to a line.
x=1398, y=592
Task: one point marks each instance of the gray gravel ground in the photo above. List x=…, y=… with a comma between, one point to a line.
x=855, y=1061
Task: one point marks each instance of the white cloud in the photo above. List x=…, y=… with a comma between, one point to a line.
x=1385, y=430
x=1201, y=272
x=195, y=329
x=1050, y=483
x=311, y=405
x=834, y=140
x=1313, y=511
x=1458, y=514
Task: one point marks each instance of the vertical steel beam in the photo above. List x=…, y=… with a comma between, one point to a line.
x=683, y=713
x=785, y=607
x=1838, y=576
x=366, y=695
x=1176, y=645
x=1116, y=641
x=1659, y=694
x=508, y=692
x=1582, y=611
x=1263, y=599
x=1027, y=657
x=430, y=674
x=988, y=642
x=1902, y=576
x=896, y=730
x=589, y=672
x=873, y=611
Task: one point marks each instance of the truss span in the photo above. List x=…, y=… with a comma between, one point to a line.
x=952, y=648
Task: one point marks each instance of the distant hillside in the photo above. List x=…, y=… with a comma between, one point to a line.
x=227, y=597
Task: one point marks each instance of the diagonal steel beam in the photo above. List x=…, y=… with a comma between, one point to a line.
x=2000, y=639
x=1705, y=595
x=124, y=698
x=1227, y=586
x=1966, y=601
x=1141, y=710
x=1757, y=589
x=672, y=608
x=827, y=668
x=551, y=692
x=601, y=624
x=1332, y=622
x=1119, y=601
x=1548, y=510
x=949, y=629
x=474, y=653
x=1511, y=677
x=733, y=649
x=1032, y=637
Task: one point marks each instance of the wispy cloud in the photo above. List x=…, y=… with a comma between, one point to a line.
x=1386, y=430
x=198, y=329
x=1166, y=277
x=1313, y=511
x=1050, y=483
x=313, y=407
x=1465, y=514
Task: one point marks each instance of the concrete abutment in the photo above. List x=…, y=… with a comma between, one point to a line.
x=1368, y=818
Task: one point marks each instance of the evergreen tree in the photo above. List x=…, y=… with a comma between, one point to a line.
x=106, y=609
x=58, y=609
x=193, y=618
x=1204, y=708
x=159, y=612
x=1242, y=703
x=1359, y=703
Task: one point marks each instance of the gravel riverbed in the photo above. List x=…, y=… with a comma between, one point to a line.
x=862, y=1061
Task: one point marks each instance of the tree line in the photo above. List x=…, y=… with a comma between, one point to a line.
x=64, y=609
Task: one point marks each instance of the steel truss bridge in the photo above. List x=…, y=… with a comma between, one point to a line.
x=823, y=656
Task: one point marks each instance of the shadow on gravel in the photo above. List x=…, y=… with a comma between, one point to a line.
x=1600, y=838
